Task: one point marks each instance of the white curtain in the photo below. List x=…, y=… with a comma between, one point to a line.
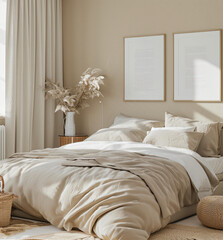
x=33, y=54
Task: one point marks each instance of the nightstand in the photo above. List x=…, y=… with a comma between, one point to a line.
x=66, y=140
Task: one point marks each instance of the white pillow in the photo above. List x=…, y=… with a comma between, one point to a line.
x=117, y=134
x=169, y=138
x=122, y=121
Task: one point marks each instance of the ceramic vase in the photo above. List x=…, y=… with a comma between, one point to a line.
x=70, y=124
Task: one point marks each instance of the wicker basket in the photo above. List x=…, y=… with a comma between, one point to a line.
x=6, y=200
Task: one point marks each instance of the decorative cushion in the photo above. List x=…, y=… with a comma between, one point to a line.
x=210, y=211
x=174, y=138
x=209, y=146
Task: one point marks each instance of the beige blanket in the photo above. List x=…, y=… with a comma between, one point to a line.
x=113, y=194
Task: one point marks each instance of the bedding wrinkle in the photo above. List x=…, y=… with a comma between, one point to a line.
x=123, y=191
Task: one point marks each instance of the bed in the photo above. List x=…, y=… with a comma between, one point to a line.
x=118, y=190
x=216, y=165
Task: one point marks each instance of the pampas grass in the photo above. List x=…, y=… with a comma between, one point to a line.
x=73, y=100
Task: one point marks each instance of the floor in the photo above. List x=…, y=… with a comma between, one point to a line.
x=190, y=221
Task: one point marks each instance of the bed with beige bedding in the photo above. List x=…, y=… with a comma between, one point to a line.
x=124, y=182
x=114, y=190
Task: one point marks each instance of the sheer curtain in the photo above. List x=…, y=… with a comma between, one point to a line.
x=33, y=54
x=2, y=58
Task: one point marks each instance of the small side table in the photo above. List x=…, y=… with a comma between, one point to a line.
x=66, y=140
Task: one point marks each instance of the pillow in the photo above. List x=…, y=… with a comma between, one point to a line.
x=220, y=138
x=117, y=134
x=172, y=138
x=180, y=129
x=209, y=146
x=125, y=129
x=122, y=121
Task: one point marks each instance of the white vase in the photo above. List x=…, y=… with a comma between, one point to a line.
x=70, y=124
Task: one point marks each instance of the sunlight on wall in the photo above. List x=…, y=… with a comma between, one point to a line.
x=2, y=55
x=204, y=71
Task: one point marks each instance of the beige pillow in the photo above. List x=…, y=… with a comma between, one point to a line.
x=117, y=134
x=122, y=121
x=209, y=145
x=171, y=138
x=221, y=138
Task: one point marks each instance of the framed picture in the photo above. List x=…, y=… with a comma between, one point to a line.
x=197, y=66
x=144, y=68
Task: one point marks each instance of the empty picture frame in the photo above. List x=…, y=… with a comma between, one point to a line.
x=197, y=66
x=144, y=68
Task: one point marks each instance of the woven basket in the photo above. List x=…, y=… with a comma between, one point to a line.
x=210, y=212
x=6, y=200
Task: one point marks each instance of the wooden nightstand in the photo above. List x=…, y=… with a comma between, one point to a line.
x=66, y=140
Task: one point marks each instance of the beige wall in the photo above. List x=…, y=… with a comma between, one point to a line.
x=93, y=32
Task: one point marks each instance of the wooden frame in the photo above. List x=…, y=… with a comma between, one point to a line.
x=164, y=69
x=220, y=67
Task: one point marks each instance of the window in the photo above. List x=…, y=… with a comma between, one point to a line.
x=2, y=55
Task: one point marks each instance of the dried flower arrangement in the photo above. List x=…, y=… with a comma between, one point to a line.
x=73, y=100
